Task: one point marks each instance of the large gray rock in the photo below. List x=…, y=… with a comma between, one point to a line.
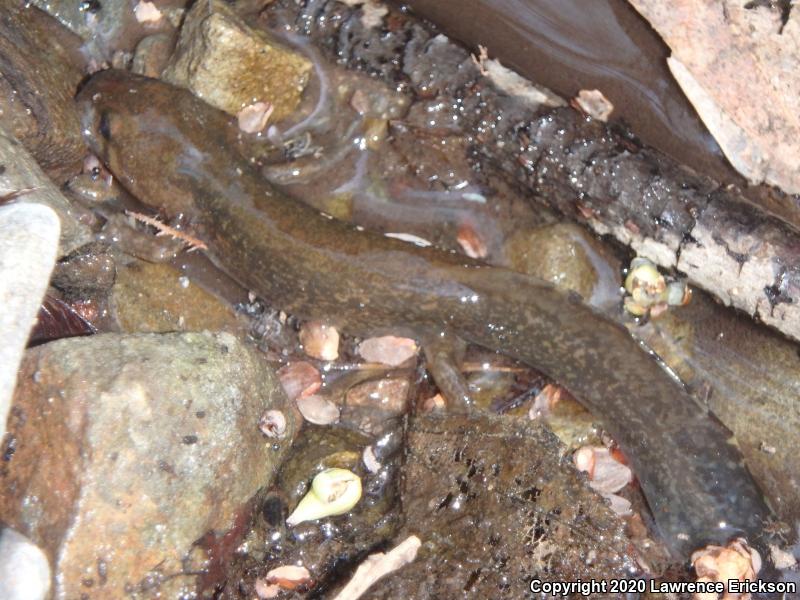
x=126, y=450
x=28, y=244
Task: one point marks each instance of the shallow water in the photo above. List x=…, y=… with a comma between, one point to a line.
x=573, y=45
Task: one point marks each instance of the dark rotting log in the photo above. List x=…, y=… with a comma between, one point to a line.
x=597, y=174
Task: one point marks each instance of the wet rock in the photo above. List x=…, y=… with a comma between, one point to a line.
x=496, y=503
x=28, y=243
x=568, y=257
x=38, y=79
x=88, y=270
x=82, y=18
x=24, y=570
x=22, y=180
x=372, y=405
x=231, y=65
x=156, y=297
x=152, y=54
x=124, y=450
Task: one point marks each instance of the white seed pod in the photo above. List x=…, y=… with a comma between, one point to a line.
x=333, y=492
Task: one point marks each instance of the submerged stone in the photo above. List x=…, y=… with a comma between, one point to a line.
x=124, y=450
x=567, y=256
x=231, y=65
x=156, y=297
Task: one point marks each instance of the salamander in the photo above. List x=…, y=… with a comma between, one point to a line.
x=176, y=153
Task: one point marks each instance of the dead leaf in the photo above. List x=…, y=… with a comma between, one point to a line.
x=288, y=577
x=299, y=379
x=254, y=118
x=377, y=565
x=388, y=350
x=320, y=340
x=318, y=410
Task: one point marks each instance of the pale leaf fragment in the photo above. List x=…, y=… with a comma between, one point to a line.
x=254, y=118
x=377, y=565
x=388, y=350
x=606, y=474
x=594, y=104
x=318, y=410
x=147, y=12
x=288, y=576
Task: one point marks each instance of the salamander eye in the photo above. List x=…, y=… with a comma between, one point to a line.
x=104, y=126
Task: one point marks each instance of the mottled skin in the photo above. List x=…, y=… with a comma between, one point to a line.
x=175, y=152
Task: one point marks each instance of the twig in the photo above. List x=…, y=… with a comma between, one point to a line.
x=164, y=229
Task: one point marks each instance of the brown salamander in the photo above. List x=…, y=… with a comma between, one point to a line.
x=173, y=151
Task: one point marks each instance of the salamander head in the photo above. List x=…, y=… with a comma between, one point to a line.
x=129, y=123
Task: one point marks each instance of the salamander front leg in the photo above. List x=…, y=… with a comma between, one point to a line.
x=444, y=353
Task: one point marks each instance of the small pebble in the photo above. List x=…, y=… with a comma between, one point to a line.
x=370, y=461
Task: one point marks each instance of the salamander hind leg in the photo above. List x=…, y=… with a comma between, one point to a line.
x=444, y=351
